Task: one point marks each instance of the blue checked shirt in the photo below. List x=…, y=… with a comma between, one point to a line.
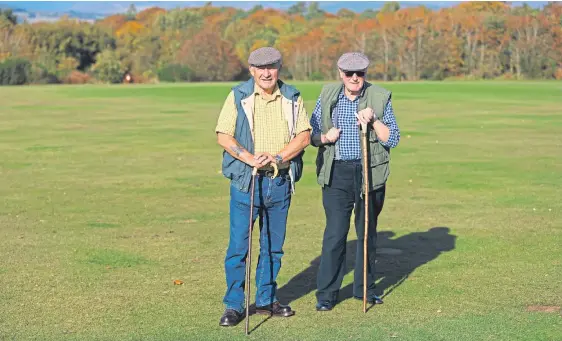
x=348, y=146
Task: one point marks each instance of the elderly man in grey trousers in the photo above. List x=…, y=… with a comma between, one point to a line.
x=336, y=119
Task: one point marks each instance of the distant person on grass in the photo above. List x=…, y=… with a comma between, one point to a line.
x=262, y=121
x=339, y=111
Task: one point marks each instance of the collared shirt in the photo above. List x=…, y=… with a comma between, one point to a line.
x=271, y=133
x=348, y=145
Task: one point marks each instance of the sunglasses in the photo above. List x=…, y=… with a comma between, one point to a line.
x=358, y=73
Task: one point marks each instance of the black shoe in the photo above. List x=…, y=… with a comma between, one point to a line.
x=275, y=309
x=231, y=318
x=324, y=306
x=371, y=300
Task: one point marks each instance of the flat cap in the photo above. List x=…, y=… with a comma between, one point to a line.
x=264, y=56
x=353, y=61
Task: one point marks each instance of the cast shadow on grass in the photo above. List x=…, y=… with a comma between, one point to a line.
x=393, y=267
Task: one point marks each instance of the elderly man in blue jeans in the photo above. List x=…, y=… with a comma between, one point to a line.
x=336, y=119
x=263, y=121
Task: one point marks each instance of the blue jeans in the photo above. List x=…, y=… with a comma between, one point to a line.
x=272, y=198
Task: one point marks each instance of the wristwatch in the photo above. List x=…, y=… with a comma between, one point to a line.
x=278, y=158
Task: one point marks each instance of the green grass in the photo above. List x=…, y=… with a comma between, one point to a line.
x=110, y=193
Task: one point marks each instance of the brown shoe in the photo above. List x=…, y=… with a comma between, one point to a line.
x=275, y=309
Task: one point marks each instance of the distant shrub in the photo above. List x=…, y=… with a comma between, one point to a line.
x=108, y=67
x=77, y=77
x=15, y=71
x=149, y=76
x=176, y=73
x=558, y=73
x=65, y=67
x=508, y=76
x=41, y=75
x=317, y=76
x=138, y=78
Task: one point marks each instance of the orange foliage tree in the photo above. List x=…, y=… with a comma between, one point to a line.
x=210, y=57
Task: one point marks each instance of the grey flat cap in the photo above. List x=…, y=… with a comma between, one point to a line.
x=264, y=56
x=353, y=61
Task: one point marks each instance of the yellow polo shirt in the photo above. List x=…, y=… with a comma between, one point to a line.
x=271, y=133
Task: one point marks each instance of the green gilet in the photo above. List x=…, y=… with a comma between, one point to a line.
x=373, y=97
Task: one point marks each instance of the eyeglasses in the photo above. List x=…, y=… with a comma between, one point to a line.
x=358, y=73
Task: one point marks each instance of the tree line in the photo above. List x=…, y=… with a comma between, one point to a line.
x=473, y=40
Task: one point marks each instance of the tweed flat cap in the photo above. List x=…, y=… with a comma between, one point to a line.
x=353, y=61
x=264, y=56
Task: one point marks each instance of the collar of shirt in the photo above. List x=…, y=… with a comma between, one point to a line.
x=276, y=92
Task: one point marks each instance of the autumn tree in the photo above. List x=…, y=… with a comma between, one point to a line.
x=69, y=38
x=390, y=7
x=149, y=15
x=131, y=13
x=483, y=39
x=112, y=22
x=8, y=17
x=298, y=8
x=211, y=58
x=108, y=67
x=173, y=28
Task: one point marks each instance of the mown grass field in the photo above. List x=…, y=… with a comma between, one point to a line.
x=110, y=193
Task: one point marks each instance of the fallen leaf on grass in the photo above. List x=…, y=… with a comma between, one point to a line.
x=178, y=282
x=543, y=308
x=190, y=221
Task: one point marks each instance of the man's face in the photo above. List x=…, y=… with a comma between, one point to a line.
x=266, y=76
x=353, y=80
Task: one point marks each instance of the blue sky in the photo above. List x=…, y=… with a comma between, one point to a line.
x=111, y=7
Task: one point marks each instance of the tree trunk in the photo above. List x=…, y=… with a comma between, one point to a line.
x=386, y=52
x=518, y=62
x=481, y=62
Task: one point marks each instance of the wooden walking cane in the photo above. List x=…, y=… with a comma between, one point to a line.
x=249, y=257
x=366, y=199
x=250, y=229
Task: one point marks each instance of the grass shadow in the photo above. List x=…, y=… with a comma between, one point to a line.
x=396, y=258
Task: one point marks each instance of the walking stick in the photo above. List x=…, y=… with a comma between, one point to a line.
x=250, y=229
x=366, y=199
x=249, y=258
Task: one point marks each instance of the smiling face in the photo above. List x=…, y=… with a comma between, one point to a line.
x=266, y=76
x=353, y=80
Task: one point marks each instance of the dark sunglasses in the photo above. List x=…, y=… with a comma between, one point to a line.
x=358, y=73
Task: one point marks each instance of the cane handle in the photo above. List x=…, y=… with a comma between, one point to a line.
x=275, y=170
